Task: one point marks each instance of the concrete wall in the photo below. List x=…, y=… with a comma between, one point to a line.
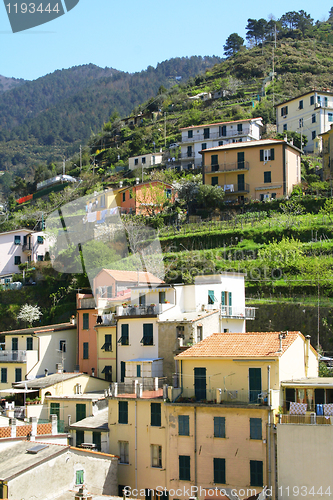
x=58, y=475
x=304, y=460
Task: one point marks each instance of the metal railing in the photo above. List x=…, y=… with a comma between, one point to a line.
x=308, y=419
x=233, y=312
x=223, y=396
x=19, y=356
x=238, y=188
x=87, y=304
x=227, y=167
x=216, y=135
x=141, y=310
x=137, y=387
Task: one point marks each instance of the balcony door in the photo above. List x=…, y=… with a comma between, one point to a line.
x=200, y=383
x=254, y=384
x=240, y=182
x=14, y=348
x=240, y=160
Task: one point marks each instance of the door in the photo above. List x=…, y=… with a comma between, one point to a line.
x=290, y=397
x=200, y=383
x=80, y=412
x=240, y=160
x=122, y=370
x=14, y=348
x=254, y=384
x=240, y=181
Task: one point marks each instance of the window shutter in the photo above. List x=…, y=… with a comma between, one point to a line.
x=272, y=154
x=230, y=299
x=261, y=155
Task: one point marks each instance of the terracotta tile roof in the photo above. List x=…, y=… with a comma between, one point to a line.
x=241, y=345
x=132, y=276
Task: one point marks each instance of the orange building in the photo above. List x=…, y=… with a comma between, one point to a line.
x=146, y=198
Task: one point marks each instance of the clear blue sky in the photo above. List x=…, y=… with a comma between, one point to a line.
x=130, y=35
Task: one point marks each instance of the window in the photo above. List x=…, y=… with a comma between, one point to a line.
x=148, y=338
x=312, y=100
x=80, y=411
x=62, y=345
x=142, y=300
x=219, y=470
x=138, y=371
x=214, y=163
x=267, y=177
x=222, y=131
x=300, y=123
x=199, y=333
x=267, y=154
x=239, y=127
x=189, y=151
x=220, y=143
x=29, y=344
x=284, y=110
x=161, y=297
x=204, y=145
x=124, y=196
x=107, y=346
x=4, y=375
x=124, y=335
x=109, y=292
x=219, y=427
x=17, y=240
x=255, y=428
x=183, y=425
x=124, y=452
x=215, y=181
x=79, y=475
x=190, y=134
x=300, y=104
x=136, y=161
x=155, y=414
x=17, y=260
x=143, y=160
x=107, y=370
x=40, y=240
x=313, y=135
x=330, y=117
x=85, y=321
x=79, y=435
x=97, y=440
x=184, y=468
x=123, y=412
x=211, y=297
x=18, y=374
x=240, y=160
x=273, y=196
x=206, y=133
x=156, y=455
x=285, y=127
x=256, y=473
x=85, y=350
x=313, y=118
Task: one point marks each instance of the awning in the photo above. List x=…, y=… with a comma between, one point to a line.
x=17, y=391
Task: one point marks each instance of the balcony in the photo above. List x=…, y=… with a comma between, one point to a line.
x=146, y=388
x=308, y=419
x=27, y=249
x=238, y=313
x=241, y=187
x=227, y=167
x=216, y=395
x=13, y=356
x=216, y=135
x=135, y=310
x=86, y=304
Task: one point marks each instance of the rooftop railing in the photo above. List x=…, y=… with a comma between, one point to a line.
x=11, y=356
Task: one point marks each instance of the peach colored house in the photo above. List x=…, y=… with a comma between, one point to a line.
x=87, y=339
x=145, y=198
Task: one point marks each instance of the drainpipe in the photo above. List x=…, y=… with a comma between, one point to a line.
x=195, y=446
x=136, y=447
x=307, y=354
x=269, y=480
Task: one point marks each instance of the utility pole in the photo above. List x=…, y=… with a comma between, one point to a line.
x=164, y=128
x=80, y=158
x=63, y=167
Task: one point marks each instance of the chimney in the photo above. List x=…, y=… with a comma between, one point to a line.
x=59, y=368
x=12, y=424
x=54, y=423
x=33, y=421
x=282, y=335
x=120, y=184
x=93, y=372
x=46, y=372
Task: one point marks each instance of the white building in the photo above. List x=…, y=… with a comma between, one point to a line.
x=148, y=160
x=199, y=137
x=161, y=320
x=18, y=247
x=309, y=114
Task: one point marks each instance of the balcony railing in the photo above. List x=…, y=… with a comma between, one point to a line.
x=12, y=356
x=26, y=248
x=236, y=188
x=87, y=304
x=223, y=396
x=227, y=167
x=308, y=419
x=239, y=313
x=139, y=310
x=148, y=387
x=216, y=135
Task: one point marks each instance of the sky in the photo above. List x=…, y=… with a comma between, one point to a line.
x=130, y=35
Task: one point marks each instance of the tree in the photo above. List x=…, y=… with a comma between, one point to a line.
x=187, y=190
x=233, y=44
x=256, y=30
x=294, y=137
x=210, y=197
x=29, y=314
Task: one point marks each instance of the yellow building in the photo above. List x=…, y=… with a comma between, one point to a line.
x=327, y=150
x=106, y=351
x=214, y=429
x=257, y=170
